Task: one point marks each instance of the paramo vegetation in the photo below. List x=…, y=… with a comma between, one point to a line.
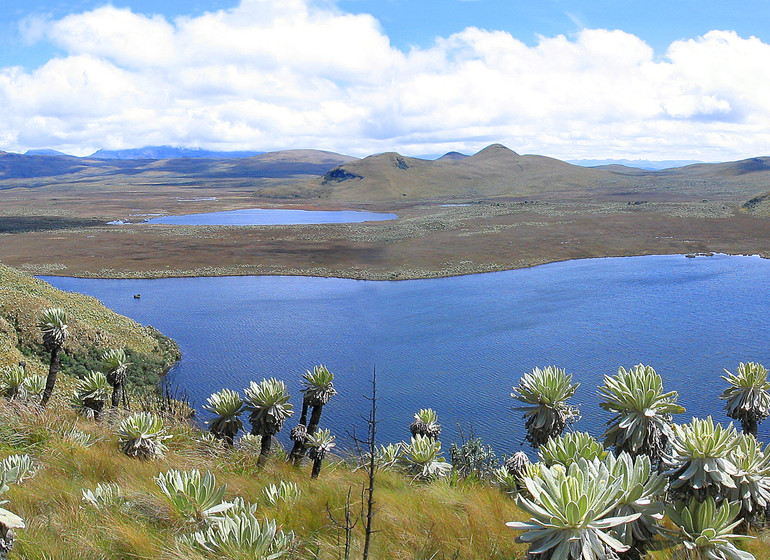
x=89, y=470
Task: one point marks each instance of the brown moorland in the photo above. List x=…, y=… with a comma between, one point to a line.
x=491, y=211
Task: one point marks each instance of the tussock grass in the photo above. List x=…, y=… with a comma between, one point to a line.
x=413, y=521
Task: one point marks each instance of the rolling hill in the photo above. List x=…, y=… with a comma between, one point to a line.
x=497, y=172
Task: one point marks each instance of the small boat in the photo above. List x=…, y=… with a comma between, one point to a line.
x=137, y=296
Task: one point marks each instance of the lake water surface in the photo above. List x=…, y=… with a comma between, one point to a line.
x=459, y=344
x=273, y=217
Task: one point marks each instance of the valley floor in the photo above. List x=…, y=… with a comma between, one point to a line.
x=66, y=234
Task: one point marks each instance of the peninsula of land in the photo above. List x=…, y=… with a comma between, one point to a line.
x=494, y=210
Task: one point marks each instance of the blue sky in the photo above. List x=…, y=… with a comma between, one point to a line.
x=570, y=79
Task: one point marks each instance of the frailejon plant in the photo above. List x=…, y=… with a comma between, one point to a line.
x=510, y=477
x=423, y=460
x=281, y=493
x=239, y=507
x=318, y=389
x=544, y=393
x=227, y=405
x=571, y=512
x=193, y=495
x=700, y=463
x=752, y=479
x=269, y=404
x=506, y=480
x=242, y=537
x=79, y=437
x=34, y=385
x=386, y=457
x=570, y=447
x=706, y=530
x=13, y=469
x=643, y=412
x=53, y=324
x=90, y=395
x=320, y=443
x=748, y=396
x=115, y=365
x=104, y=496
x=13, y=382
x=642, y=491
x=142, y=435
x=426, y=424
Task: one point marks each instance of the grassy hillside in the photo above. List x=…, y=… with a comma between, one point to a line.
x=413, y=521
x=93, y=328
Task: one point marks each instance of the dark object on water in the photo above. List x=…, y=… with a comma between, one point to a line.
x=137, y=296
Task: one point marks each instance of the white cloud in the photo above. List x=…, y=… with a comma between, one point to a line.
x=273, y=74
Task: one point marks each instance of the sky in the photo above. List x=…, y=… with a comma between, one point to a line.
x=571, y=79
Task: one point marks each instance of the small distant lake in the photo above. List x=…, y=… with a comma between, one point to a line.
x=273, y=217
x=459, y=344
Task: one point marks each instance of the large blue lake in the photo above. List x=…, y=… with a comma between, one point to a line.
x=459, y=344
x=273, y=217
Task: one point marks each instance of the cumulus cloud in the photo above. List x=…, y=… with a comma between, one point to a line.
x=274, y=74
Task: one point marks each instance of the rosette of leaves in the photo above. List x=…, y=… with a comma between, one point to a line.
x=193, y=495
x=242, y=537
x=643, y=412
x=269, y=406
x=568, y=448
x=386, y=457
x=142, y=435
x=700, y=462
x=90, y=395
x=34, y=384
x=320, y=443
x=240, y=507
x=104, y=496
x=642, y=490
x=571, y=512
x=115, y=364
x=227, y=405
x=283, y=492
x=506, y=480
x=423, y=460
x=748, y=395
x=752, y=480
x=13, y=382
x=544, y=393
x=510, y=477
x=706, y=530
x=426, y=424
x=13, y=469
x=16, y=468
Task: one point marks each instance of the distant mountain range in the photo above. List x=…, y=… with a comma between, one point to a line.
x=168, y=152
x=35, y=170
x=651, y=165
x=495, y=172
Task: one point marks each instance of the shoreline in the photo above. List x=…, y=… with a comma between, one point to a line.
x=411, y=274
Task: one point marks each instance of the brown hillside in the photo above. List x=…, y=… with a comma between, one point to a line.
x=498, y=172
